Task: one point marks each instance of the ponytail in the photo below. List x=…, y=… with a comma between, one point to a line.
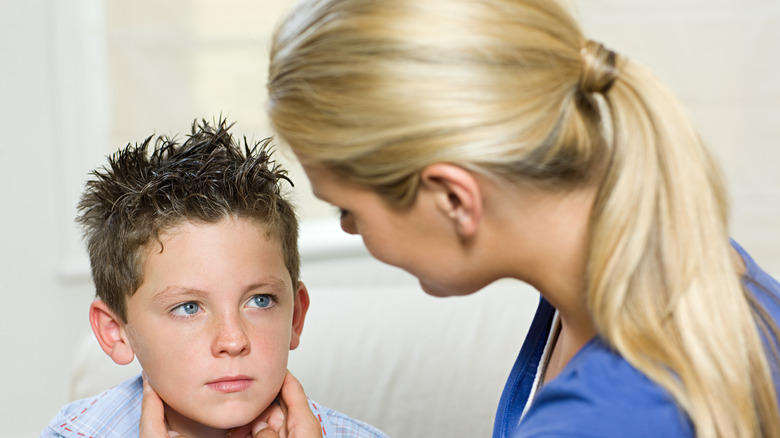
x=662, y=287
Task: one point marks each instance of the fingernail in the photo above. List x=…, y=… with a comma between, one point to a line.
x=260, y=425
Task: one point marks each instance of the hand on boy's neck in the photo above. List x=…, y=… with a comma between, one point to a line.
x=156, y=423
x=154, y=418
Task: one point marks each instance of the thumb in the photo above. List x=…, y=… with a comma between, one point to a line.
x=152, y=424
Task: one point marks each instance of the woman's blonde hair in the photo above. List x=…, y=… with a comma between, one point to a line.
x=377, y=90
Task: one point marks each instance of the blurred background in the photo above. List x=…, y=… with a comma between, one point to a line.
x=82, y=78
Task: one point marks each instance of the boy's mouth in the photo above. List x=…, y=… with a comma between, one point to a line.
x=230, y=383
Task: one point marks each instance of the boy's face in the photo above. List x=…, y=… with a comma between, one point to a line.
x=213, y=323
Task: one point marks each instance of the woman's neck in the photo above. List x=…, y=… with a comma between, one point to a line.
x=548, y=231
x=568, y=342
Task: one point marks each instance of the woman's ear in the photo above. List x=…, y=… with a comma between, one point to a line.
x=457, y=194
x=300, y=307
x=110, y=332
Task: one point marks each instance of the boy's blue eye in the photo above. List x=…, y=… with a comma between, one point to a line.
x=262, y=301
x=186, y=309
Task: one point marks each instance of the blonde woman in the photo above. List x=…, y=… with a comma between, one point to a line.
x=471, y=140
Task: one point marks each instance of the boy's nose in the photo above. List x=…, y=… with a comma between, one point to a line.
x=231, y=338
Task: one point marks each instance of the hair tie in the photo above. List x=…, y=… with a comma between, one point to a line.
x=598, y=68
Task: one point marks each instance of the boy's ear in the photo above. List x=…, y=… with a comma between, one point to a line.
x=110, y=333
x=300, y=307
x=457, y=194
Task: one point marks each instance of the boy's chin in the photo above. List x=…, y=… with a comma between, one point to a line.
x=207, y=425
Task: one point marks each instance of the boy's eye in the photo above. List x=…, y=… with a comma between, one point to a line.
x=262, y=301
x=186, y=309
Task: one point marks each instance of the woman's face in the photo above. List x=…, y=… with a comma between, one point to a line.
x=519, y=231
x=418, y=239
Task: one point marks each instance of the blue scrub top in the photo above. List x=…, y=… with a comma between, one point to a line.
x=599, y=394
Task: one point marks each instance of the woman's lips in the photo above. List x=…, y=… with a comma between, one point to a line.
x=231, y=384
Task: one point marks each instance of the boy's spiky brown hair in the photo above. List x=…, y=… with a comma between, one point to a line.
x=141, y=193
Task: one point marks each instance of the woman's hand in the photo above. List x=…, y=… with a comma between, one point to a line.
x=291, y=417
x=153, y=415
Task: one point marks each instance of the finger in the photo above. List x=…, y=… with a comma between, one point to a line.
x=283, y=406
x=152, y=424
x=264, y=431
x=300, y=421
x=275, y=418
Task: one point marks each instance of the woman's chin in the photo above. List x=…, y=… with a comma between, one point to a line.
x=443, y=291
x=436, y=290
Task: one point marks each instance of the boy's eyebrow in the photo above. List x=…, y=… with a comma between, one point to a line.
x=171, y=292
x=271, y=282
x=274, y=283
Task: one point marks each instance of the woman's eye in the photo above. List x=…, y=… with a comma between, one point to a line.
x=262, y=301
x=186, y=309
x=342, y=213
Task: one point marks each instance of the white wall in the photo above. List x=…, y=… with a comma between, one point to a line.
x=42, y=312
x=57, y=107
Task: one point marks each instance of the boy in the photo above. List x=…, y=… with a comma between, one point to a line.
x=195, y=261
